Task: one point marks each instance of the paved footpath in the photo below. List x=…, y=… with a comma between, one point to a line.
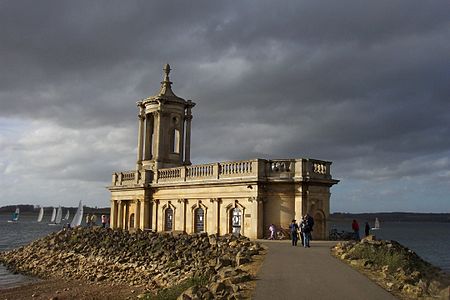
x=311, y=273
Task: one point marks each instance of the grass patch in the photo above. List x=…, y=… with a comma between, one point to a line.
x=175, y=291
x=393, y=257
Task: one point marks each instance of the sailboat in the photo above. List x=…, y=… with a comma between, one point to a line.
x=53, y=218
x=58, y=215
x=67, y=216
x=41, y=214
x=15, y=216
x=377, y=225
x=78, y=217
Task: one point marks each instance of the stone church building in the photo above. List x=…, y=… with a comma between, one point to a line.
x=165, y=192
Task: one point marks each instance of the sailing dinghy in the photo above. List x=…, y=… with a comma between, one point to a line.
x=67, y=216
x=15, y=216
x=41, y=214
x=377, y=225
x=78, y=217
x=53, y=218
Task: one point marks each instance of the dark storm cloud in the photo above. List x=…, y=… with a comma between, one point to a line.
x=362, y=84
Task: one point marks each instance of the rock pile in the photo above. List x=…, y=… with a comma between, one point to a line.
x=153, y=260
x=395, y=267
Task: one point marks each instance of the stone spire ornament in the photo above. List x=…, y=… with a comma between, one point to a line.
x=166, y=84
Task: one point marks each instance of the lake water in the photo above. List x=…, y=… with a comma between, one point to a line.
x=429, y=240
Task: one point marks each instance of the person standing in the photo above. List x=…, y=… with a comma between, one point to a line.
x=103, y=221
x=367, y=229
x=355, y=227
x=294, y=232
x=272, y=232
x=305, y=227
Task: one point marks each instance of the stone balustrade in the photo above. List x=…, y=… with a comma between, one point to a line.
x=257, y=169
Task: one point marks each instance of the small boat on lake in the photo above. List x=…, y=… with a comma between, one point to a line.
x=56, y=217
x=377, y=225
x=67, y=216
x=53, y=218
x=15, y=216
x=41, y=214
x=78, y=217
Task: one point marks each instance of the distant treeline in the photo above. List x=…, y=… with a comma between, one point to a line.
x=392, y=217
x=24, y=208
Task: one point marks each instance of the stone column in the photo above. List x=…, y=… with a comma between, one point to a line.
x=141, y=214
x=137, y=214
x=149, y=125
x=155, y=215
x=141, y=117
x=112, y=215
x=120, y=214
x=158, y=138
x=187, y=145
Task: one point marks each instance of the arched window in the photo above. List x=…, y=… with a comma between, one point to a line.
x=176, y=141
x=168, y=219
x=199, y=220
x=132, y=221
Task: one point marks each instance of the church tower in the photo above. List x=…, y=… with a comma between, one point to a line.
x=164, y=138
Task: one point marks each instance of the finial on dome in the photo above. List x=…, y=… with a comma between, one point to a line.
x=166, y=72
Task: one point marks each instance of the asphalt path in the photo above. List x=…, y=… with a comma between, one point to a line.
x=311, y=273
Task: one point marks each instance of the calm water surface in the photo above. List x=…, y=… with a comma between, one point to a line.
x=429, y=240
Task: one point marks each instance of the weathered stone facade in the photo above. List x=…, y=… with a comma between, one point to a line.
x=166, y=193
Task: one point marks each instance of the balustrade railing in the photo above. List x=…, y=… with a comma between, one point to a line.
x=280, y=169
x=236, y=167
x=199, y=171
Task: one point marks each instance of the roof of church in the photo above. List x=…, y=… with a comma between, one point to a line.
x=165, y=93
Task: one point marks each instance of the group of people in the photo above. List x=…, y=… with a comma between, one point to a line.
x=355, y=228
x=303, y=229
x=92, y=220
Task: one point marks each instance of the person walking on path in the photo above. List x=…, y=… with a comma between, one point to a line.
x=305, y=227
x=294, y=232
x=355, y=227
x=367, y=229
x=272, y=232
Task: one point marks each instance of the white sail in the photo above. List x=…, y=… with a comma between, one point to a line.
x=41, y=214
x=52, y=219
x=78, y=217
x=377, y=224
x=58, y=215
x=67, y=216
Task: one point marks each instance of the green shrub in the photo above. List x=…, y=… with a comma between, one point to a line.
x=175, y=291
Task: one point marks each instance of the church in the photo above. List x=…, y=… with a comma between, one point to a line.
x=166, y=192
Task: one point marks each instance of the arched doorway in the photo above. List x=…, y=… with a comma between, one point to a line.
x=199, y=220
x=168, y=219
x=132, y=221
x=235, y=221
x=319, y=226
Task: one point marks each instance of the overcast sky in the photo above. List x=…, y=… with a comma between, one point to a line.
x=365, y=84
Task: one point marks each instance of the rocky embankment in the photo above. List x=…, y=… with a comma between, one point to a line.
x=153, y=260
x=395, y=267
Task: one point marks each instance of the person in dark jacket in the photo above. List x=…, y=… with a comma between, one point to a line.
x=355, y=227
x=367, y=229
x=294, y=232
x=305, y=227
